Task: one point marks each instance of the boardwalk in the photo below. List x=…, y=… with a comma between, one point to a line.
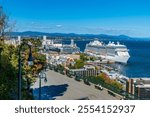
x=61, y=87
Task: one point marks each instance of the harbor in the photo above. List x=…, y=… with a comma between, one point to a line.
x=99, y=65
x=86, y=67
x=56, y=53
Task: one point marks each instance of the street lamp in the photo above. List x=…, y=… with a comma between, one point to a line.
x=1, y=50
x=42, y=75
x=30, y=62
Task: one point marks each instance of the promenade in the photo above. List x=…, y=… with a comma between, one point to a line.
x=61, y=87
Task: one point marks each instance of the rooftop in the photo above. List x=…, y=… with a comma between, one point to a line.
x=143, y=86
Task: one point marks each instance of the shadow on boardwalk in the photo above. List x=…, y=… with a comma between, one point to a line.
x=50, y=92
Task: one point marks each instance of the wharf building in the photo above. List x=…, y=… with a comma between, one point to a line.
x=49, y=45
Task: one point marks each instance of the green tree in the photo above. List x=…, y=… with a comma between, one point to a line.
x=8, y=73
x=83, y=57
x=78, y=64
x=9, y=63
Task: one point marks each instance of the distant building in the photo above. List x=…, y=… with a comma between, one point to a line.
x=74, y=56
x=63, y=59
x=19, y=40
x=44, y=42
x=86, y=71
x=130, y=86
x=13, y=41
x=49, y=45
x=139, y=87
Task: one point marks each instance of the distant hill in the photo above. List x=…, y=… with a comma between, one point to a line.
x=68, y=35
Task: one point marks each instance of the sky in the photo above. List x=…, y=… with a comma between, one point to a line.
x=113, y=17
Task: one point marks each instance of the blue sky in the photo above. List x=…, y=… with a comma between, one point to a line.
x=114, y=17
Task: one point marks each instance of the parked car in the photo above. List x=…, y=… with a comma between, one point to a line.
x=111, y=93
x=78, y=79
x=87, y=82
x=98, y=86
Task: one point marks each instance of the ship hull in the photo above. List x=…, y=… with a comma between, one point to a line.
x=119, y=59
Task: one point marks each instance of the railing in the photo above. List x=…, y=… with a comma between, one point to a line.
x=110, y=88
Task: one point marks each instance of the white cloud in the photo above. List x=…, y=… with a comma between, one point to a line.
x=112, y=31
x=58, y=26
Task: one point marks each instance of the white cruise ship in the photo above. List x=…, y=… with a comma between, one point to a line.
x=111, y=51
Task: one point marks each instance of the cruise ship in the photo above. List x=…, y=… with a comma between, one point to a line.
x=111, y=51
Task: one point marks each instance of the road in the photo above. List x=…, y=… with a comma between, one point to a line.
x=61, y=87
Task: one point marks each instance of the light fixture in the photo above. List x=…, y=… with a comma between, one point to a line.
x=30, y=62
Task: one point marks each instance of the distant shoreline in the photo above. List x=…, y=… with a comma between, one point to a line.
x=69, y=35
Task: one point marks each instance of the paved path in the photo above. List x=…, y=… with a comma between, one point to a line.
x=61, y=87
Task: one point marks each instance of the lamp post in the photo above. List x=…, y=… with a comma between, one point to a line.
x=30, y=62
x=42, y=75
x=1, y=50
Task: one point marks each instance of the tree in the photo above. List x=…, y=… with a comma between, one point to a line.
x=8, y=73
x=83, y=57
x=4, y=24
x=112, y=83
x=9, y=63
x=78, y=64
